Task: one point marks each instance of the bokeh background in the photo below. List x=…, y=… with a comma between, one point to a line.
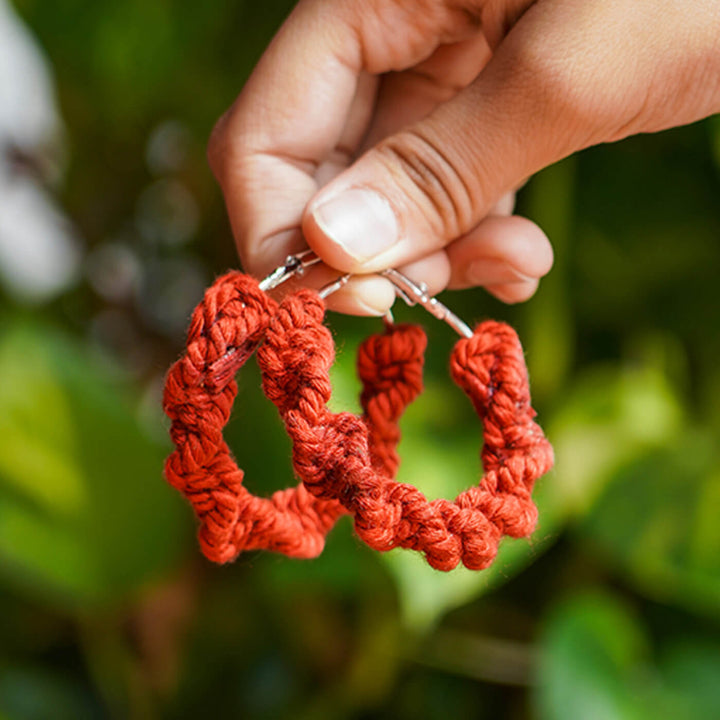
x=110, y=228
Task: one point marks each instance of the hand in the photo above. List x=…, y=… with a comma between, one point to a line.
x=392, y=133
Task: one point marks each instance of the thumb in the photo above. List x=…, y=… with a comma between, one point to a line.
x=420, y=189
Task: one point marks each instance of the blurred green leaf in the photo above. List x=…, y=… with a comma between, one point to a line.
x=610, y=416
x=85, y=515
x=595, y=663
x=590, y=667
x=689, y=672
x=28, y=693
x=657, y=521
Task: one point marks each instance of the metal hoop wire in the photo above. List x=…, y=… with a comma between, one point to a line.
x=411, y=292
x=416, y=294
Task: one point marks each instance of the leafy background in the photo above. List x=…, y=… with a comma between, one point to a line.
x=611, y=611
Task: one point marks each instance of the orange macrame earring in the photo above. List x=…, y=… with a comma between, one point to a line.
x=347, y=464
x=332, y=453
x=226, y=327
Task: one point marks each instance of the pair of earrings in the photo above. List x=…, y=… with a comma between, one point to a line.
x=346, y=463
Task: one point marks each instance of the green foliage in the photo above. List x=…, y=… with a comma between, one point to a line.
x=610, y=611
x=591, y=664
x=81, y=519
x=36, y=695
x=596, y=662
x=609, y=417
x=657, y=521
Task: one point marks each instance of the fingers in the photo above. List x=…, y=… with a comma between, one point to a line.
x=296, y=108
x=505, y=205
x=266, y=150
x=409, y=96
x=358, y=117
x=374, y=295
x=425, y=186
x=505, y=255
x=542, y=96
x=291, y=116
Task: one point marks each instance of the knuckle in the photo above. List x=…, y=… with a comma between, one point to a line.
x=513, y=293
x=439, y=184
x=557, y=83
x=575, y=85
x=518, y=292
x=216, y=152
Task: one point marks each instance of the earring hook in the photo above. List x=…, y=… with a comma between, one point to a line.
x=295, y=264
x=416, y=294
x=412, y=293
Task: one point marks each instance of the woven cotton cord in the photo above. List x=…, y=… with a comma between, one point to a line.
x=332, y=455
x=226, y=327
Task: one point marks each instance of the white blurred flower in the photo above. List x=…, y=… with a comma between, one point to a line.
x=39, y=251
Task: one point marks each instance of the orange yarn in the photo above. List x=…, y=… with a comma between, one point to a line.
x=199, y=393
x=346, y=463
x=332, y=456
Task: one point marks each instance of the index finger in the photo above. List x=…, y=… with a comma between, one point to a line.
x=290, y=115
x=294, y=109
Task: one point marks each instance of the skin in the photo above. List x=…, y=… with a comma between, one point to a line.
x=434, y=112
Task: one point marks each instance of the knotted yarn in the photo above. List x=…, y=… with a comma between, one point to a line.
x=333, y=457
x=346, y=463
x=200, y=389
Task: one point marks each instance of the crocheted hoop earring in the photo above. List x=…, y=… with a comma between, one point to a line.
x=332, y=455
x=226, y=328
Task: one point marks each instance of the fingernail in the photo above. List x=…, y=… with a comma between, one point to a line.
x=367, y=295
x=360, y=221
x=492, y=271
x=370, y=310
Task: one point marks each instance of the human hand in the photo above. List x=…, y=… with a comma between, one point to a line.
x=393, y=133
